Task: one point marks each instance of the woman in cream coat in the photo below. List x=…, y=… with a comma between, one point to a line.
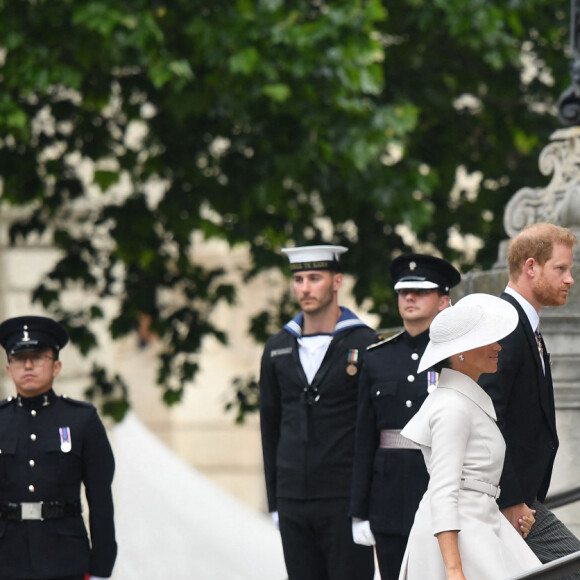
x=458, y=532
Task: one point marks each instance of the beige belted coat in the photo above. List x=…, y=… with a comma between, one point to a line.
x=462, y=446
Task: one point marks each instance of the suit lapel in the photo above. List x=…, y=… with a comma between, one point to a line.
x=529, y=333
x=546, y=390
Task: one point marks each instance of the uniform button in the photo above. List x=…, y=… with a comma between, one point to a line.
x=411, y=378
x=31, y=463
x=409, y=403
x=33, y=413
x=415, y=356
x=31, y=489
x=378, y=393
x=33, y=437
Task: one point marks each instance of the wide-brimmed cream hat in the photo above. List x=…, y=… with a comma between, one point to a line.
x=476, y=320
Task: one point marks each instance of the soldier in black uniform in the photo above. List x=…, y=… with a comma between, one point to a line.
x=49, y=445
x=389, y=474
x=308, y=399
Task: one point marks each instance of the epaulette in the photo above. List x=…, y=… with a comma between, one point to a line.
x=385, y=340
x=6, y=402
x=67, y=399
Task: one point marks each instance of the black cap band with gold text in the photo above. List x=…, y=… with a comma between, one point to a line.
x=319, y=265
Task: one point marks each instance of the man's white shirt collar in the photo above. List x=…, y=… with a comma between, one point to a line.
x=530, y=311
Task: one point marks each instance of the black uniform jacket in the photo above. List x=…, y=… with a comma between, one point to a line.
x=523, y=397
x=308, y=433
x=37, y=465
x=388, y=484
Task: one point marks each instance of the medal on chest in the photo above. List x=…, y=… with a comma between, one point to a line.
x=352, y=362
x=432, y=380
x=65, y=439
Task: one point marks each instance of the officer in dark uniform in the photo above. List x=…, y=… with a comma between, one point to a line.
x=389, y=474
x=308, y=398
x=49, y=445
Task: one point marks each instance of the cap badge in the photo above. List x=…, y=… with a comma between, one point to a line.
x=412, y=266
x=25, y=336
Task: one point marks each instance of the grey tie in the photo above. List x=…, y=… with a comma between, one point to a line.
x=540, y=344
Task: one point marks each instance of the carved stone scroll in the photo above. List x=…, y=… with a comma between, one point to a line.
x=559, y=202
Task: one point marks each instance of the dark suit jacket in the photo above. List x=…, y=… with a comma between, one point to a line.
x=524, y=401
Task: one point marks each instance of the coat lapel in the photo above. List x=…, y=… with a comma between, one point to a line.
x=546, y=393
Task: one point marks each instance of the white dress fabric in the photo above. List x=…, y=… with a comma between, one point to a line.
x=457, y=432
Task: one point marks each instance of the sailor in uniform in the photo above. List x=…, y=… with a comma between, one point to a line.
x=49, y=446
x=389, y=473
x=308, y=399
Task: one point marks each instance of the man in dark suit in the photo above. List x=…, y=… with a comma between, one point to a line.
x=389, y=473
x=308, y=399
x=50, y=445
x=540, y=260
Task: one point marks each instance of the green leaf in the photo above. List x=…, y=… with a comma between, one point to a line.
x=245, y=61
x=278, y=92
x=105, y=179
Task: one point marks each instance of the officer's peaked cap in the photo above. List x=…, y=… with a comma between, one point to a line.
x=421, y=271
x=30, y=333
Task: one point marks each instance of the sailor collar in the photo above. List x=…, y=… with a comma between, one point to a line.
x=347, y=320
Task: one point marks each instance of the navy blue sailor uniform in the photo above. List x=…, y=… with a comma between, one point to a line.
x=49, y=445
x=308, y=432
x=389, y=473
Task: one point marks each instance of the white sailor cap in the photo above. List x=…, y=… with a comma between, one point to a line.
x=315, y=258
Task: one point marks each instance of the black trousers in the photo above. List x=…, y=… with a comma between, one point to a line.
x=390, y=550
x=317, y=541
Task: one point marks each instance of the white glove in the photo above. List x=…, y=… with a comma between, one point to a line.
x=275, y=520
x=98, y=578
x=361, y=532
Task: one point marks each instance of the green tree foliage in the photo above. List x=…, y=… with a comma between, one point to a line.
x=127, y=126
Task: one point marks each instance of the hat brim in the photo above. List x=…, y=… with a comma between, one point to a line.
x=31, y=346
x=416, y=285
x=476, y=320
